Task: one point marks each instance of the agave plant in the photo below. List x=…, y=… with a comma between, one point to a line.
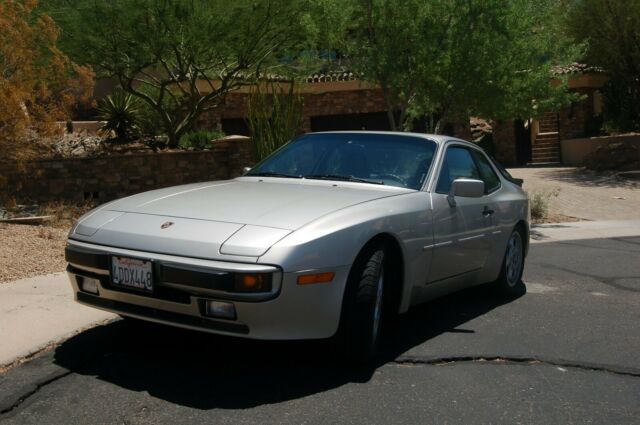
x=121, y=113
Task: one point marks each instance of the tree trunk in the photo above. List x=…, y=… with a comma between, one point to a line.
x=173, y=138
x=392, y=119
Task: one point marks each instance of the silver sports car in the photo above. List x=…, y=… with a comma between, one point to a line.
x=327, y=237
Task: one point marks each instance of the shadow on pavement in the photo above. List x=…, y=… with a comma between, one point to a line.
x=207, y=371
x=587, y=178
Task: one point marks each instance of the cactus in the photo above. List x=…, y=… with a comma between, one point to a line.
x=274, y=116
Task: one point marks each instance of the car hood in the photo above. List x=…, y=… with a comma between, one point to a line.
x=284, y=204
x=241, y=217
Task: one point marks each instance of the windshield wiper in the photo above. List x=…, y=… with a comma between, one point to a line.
x=272, y=174
x=341, y=178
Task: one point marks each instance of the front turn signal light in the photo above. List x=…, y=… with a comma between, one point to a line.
x=253, y=282
x=308, y=279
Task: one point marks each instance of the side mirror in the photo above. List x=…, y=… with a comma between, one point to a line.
x=245, y=170
x=465, y=188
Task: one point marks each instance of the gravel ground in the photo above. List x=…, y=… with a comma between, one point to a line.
x=27, y=251
x=584, y=194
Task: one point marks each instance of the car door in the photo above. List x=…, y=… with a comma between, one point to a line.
x=462, y=233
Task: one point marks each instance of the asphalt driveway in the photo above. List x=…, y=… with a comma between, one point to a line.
x=566, y=351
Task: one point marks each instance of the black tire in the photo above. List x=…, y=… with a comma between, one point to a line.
x=509, y=281
x=362, y=307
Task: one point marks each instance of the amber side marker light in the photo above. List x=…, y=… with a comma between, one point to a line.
x=307, y=279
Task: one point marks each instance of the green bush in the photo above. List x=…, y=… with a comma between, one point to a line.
x=151, y=123
x=200, y=139
x=121, y=113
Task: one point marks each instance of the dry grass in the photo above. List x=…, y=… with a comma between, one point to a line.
x=63, y=214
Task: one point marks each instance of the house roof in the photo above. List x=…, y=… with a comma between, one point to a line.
x=322, y=77
x=578, y=68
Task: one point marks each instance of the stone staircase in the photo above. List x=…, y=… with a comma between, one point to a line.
x=546, y=148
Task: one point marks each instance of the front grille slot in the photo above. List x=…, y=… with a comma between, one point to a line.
x=164, y=316
x=182, y=275
x=160, y=292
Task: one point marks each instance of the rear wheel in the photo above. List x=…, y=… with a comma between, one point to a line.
x=363, y=306
x=509, y=281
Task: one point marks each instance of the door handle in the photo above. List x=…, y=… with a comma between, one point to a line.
x=487, y=212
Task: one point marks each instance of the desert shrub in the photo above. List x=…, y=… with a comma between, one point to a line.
x=200, y=139
x=539, y=202
x=121, y=113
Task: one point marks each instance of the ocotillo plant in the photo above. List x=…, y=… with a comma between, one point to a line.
x=274, y=115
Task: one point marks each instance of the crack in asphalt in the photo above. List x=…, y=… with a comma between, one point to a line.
x=408, y=361
x=624, y=240
x=603, y=248
x=36, y=387
x=609, y=281
x=495, y=359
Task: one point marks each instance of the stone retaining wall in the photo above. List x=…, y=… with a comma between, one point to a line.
x=111, y=177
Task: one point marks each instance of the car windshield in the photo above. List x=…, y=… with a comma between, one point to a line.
x=387, y=159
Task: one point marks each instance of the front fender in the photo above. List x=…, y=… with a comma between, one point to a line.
x=335, y=240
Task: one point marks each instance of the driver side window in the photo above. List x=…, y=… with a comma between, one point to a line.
x=457, y=163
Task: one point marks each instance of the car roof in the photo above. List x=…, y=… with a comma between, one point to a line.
x=438, y=138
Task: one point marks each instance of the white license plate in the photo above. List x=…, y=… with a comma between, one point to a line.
x=132, y=273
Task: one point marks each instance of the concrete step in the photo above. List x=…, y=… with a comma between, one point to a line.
x=549, y=128
x=546, y=145
x=548, y=136
x=555, y=141
x=545, y=151
x=548, y=158
x=545, y=164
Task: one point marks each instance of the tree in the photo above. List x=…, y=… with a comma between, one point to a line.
x=176, y=52
x=446, y=59
x=612, y=30
x=38, y=83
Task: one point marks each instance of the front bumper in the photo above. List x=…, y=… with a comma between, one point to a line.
x=289, y=312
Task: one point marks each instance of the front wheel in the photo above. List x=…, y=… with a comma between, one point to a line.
x=362, y=307
x=509, y=281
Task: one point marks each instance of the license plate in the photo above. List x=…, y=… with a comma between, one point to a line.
x=132, y=273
